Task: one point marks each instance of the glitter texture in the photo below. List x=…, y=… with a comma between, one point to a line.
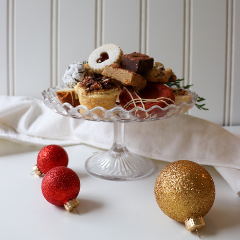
x=51, y=156
x=60, y=185
x=184, y=189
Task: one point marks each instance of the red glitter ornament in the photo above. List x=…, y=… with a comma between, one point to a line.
x=49, y=157
x=61, y=186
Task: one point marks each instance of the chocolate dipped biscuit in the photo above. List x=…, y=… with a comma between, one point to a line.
x=137, y=62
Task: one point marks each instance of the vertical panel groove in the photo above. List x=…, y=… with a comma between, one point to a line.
x=146, y=27
x=8, y=59
x=11, y=48
x=233, y=29
x=143, y=26
x=57, y=40
x=57, y=47
x=54, y=43
x=184, y=36
x=186, y=41
x=189, y=81
x=99, y=20
x=188, y=45
x=95, y=37
x=146, y=24
x=140, y=28
x=228, y=63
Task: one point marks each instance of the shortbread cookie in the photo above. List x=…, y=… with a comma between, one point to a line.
x=74, y=74
x=181, y=95
x=105, y=55
x=125, y=76
x=137, y=62
x=68, y=95
x=160, y=74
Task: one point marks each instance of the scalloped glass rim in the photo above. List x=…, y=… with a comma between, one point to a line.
x=117, y=113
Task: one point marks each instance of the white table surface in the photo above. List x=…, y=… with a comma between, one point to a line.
x=108, y=209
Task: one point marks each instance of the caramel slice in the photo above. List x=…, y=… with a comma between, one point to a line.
x=68, y=95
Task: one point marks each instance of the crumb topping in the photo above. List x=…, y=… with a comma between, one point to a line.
x=91, y=84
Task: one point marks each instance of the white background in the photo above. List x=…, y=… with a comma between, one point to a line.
x=198, y=39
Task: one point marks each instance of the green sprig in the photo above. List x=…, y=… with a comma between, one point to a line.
x=177, y=84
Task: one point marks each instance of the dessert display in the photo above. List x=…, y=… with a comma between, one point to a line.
x=119, y=88
x=111, y=78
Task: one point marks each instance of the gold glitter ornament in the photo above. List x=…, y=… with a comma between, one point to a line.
x=185, y=192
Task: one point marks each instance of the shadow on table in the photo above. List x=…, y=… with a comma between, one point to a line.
x=87, y=205
x=219, y=218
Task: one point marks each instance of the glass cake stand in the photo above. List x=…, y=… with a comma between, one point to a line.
x=118, y=163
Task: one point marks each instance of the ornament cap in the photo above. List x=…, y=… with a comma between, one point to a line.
x=36, y=170
x=192, y=224
x=71, y=205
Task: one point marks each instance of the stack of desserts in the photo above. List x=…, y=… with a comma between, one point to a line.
x=109, y=76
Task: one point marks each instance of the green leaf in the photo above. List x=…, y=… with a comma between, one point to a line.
x=177, y=84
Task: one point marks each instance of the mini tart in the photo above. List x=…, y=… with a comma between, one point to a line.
x=68, y=95
x=105, y=98
x=97, y=92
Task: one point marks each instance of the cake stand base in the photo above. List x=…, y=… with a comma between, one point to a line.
x=118, y=166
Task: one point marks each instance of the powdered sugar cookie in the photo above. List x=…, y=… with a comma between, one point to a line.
x=74, y=74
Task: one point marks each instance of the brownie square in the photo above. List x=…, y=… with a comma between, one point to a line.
x=137, y=62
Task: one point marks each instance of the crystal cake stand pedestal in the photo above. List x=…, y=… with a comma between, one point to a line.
x=118, y=163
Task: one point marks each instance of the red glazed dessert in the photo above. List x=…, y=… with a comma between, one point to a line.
x=153, y=94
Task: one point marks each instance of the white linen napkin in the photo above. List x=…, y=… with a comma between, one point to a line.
x=29, y=121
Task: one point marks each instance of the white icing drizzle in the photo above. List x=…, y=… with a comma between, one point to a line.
x=142, y=100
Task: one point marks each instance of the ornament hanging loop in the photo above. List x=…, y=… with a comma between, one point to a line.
x=198, y=234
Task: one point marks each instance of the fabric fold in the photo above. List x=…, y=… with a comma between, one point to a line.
x=29, y=121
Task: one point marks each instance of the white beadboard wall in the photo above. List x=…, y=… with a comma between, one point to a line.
x=198, y=39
